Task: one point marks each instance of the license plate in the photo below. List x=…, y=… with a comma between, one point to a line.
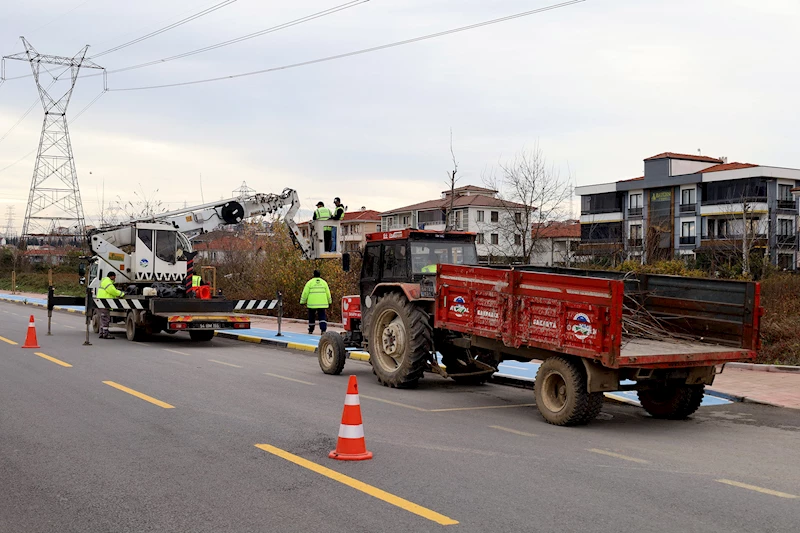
x=211, y=325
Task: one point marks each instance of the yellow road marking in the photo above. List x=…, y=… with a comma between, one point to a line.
x=303, y=347
x=617, y=455
x=249, y=338
x=359, y=356
x=393, y=403
x=144, y=397
x=375, y=492
x=288, y=379
x=758, y=489
x=53, y=359
x=224, y=363
x=514, y=431
x=176, y=351
x=9, y=341
x=481, y=407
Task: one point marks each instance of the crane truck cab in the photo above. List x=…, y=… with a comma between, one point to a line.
x=393, y=314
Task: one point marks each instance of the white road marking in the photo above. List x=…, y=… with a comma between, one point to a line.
x=224, y=363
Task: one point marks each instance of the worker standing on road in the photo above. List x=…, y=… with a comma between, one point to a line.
x=338, y=214
x=317, y=297
x=323, y=213
x=107, y=290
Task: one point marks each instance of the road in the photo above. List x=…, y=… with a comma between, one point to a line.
x=162, y=435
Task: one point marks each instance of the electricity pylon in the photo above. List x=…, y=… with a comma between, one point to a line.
x=54, y=202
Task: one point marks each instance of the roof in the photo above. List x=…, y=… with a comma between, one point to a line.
x=686, y=157
x=470, y=188
x=632, y=179
x=555, y=229
x=727, y=166
x=459, y=201
x=366, y=214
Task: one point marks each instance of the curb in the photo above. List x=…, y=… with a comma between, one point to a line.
x=42, y=306
x=742, y=399
x=765, y=368
x=357, y=355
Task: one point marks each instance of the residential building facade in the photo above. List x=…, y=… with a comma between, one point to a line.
x=687, y=205
x=555, y=243
x=499, y=224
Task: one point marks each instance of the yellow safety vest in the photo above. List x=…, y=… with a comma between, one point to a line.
x=108, y=290
x=196, y=280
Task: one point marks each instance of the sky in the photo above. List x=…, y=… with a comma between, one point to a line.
x=599, y=86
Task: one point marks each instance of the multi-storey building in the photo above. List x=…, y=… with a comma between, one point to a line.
x=499, y=224
x=686, y=205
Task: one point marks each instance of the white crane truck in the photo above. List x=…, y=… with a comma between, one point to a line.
x=153, y=259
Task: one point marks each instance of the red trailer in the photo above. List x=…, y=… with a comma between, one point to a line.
x=595, y=331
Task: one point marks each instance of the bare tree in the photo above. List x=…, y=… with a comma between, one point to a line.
x=143, y=206
x=533, y=195
x=449, y=225
x=737, y=234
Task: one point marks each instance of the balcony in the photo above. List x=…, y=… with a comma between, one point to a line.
x=786, y=240
x=787, y=204
x=688, y=208
x=635, y=243
x=634, y=211
x=688, y=241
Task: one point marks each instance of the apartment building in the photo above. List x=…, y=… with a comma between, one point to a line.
x=499, y=224
x=686, y=205
x=555, y=243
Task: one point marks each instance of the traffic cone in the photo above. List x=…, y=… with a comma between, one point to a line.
x=351, y=445
x=30, y=339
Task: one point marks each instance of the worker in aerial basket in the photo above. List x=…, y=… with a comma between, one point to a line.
x=107, y=290
x=323, y=213
x=317, y=297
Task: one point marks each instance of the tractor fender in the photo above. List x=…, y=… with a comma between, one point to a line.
x=411, y=290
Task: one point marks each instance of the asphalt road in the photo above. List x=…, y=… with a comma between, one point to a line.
x=79, y=454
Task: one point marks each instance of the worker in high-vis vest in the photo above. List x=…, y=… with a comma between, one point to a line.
x=323, y=213
x=107, y=290
x=317, y=297
x=197, y=281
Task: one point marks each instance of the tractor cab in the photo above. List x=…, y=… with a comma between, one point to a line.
x=410, y=257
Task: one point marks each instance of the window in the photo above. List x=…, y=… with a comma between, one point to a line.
x=146, y=236
x=480, y=216
x=687, y=197
x=636, y=201
x=606, y=232
x=430, y=217
x=395, y=264
x=735, y=191
x=495, y=216
x=636, y=231
x=785, y=192
x=371, y=262
x=405, y=221
x=518, y=218
x=433, y=253
x=610, y=202
x=785, y=226
x=166, y=244
x=518, y=239
x=495, y=238
x=480, y=238
x=687, y=229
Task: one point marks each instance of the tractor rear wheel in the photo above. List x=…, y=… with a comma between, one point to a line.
x=400, y=341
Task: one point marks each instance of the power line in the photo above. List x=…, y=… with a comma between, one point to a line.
x=272, y=29
x=55, y=79
x=167, y=28
x=362, y=51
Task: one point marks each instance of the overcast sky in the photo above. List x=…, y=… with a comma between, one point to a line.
x=600, y=85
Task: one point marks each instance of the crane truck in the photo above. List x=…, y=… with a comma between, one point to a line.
x=595, y=331
x=153, y=261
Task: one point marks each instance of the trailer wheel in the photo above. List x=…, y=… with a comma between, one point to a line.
x=132, y=332
x=400, y=341
x=674, y=402
x=331, y=353
x=95, y=322
x=561, y=396
x=202, y=335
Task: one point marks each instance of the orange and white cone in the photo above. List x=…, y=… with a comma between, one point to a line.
x=351, y=445
x=30, y=339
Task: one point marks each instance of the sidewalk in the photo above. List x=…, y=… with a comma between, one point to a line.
x=780, y=389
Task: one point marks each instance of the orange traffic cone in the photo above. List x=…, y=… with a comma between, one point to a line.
x=30, y=339
x=351, y=445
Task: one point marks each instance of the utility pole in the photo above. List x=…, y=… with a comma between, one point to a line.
x=54, y=202
x=9, y=223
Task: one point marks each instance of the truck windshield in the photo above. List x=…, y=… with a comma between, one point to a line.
x=425, y=255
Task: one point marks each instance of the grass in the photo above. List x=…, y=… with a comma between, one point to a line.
x=36, y=282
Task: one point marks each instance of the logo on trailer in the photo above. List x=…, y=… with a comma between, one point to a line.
x=143, y=263
x=459, y=307
x=584, y=326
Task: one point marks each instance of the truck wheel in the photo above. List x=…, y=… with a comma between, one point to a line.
x=133, y=333
x=455, y=359
x=202, y=335
x=95, y=322
x=675, y=402
x=561, y=396
x=331, y=353
x=400, y=341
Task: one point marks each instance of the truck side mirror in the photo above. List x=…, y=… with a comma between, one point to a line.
x=346, y=262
